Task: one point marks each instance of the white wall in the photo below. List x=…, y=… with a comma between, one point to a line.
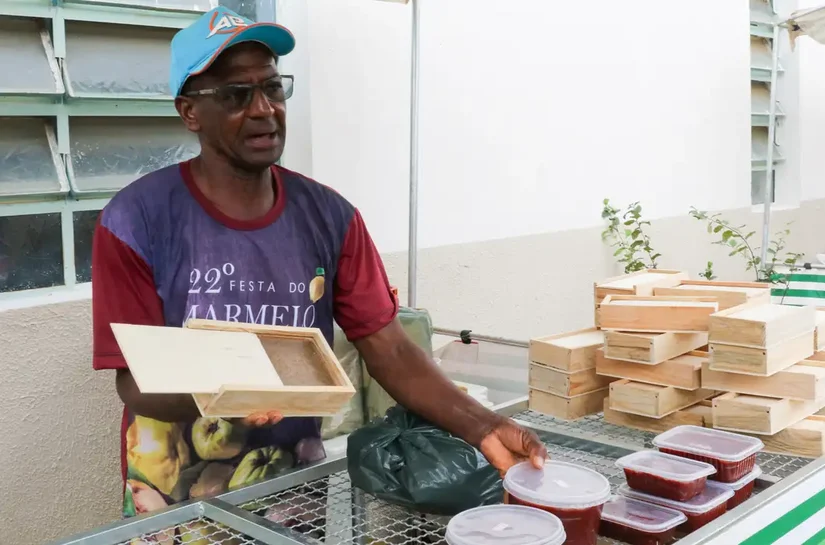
x=531, y=112
x=812, y=113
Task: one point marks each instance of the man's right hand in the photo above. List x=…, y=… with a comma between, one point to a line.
x=269, y=418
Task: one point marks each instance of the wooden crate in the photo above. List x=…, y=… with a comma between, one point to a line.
x=729, y=294
x=803, y=381
x=760, y=415
x=573, y=351
x=805, y=438
x=695, y=415
x=760, y=325
x=652, y=400
x=233, y=370
x=565, y=408
x=650, y=348
x=635, y=313
x=761, y=362
x=637, y=283
x=683, y=372
x=565, y=384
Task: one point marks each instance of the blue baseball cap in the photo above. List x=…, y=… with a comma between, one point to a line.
x=196, y=47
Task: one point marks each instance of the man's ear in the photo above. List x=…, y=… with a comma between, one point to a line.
x=186, y=109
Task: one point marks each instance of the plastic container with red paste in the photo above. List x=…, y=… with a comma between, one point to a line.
x=505, y=525
x=665, y=475
x=573, y=493
x=732, y=455
x=743, y=488
x=699, y=510
x=637, y=522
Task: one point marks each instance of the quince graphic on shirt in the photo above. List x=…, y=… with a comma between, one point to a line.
x=316, y=286
x=158, y=451
x=217, y=439
x=260, y=464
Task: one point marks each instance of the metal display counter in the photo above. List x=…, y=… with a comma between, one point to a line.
x=329, y=511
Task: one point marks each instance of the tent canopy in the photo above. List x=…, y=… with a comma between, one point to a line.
x=807, y=22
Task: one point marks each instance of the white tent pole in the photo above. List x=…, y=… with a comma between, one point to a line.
x=412, y=252
x=768, y=196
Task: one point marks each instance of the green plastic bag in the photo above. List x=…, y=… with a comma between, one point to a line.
x=419, y=326
x=406, y=461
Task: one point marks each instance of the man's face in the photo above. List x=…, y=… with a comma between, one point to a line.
x=250, y=136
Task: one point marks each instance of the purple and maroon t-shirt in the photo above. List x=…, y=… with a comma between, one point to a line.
x=163, y=253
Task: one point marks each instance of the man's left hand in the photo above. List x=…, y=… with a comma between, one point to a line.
x=509, y=444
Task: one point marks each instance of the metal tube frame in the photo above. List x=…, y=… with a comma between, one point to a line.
x=769, y=167
x=412, y=251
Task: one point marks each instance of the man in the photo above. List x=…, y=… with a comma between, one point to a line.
x=224, y=236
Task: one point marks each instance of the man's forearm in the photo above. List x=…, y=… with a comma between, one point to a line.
x=164, y=407
x=416, y=382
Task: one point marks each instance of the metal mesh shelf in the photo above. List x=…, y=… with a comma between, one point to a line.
x=594, y=428
x=318, y=505
x=200, y=531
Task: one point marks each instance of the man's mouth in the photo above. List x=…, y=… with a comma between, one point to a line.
x=263, y=141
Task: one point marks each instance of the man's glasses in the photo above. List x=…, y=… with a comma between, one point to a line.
x=238, y=96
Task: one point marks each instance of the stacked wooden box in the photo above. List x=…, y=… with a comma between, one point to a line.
x=678, y=351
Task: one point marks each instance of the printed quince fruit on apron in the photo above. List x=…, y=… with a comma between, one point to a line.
x=316, y=286
x=260, y=464
x=217, y=439
x=158, y=451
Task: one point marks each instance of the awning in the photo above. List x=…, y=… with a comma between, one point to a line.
x=807, y=22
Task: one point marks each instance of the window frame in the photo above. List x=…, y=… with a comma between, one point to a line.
x=61, y=108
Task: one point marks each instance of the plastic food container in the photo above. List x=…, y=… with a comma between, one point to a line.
x=639, y=523
x=699, y=510
x=573, y=493
x=505, y=525
x=732, y=455
x=665, y=475
x=743, y=488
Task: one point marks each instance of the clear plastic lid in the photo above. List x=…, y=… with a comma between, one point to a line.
x=641, y=515
x=723, y=445
x=505, y=525
x=752, y=476
x=712, y=496
x=557, y=484
x=666, y=466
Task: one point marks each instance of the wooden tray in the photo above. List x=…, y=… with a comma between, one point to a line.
x=729, y=294
x=573, y=351
x=805, y=381
x=761, y=325
x=656, y=314
x=567, y=408
x=234, y=369
x=652, y=400
x=684, y=372
x=651, y=348
x=760, y=415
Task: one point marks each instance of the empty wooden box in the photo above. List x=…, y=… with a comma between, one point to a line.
x=567, y=408
x=684, y=372
x=729, y=294
x=652, y=400
x=656, y=314
x=805, y=381
x=233, y=369
x=558, y=382
x=650, y=348
x=761, y=339
x=760, y=415
x=573, y=351
x=637, y=283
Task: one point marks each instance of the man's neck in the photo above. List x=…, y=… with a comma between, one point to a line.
x=240, y=195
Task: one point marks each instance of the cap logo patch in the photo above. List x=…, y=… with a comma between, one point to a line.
x=226, y=24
